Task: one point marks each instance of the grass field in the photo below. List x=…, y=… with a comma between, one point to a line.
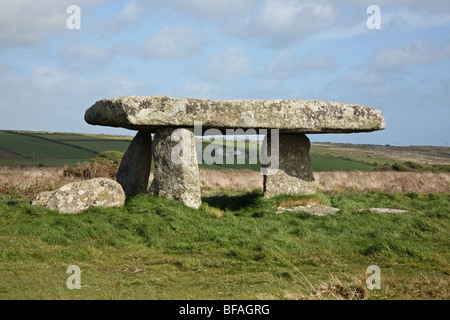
x=24, y=148
x=159, y=249
x=235, y=246
x=29, y=146
x=59, y=149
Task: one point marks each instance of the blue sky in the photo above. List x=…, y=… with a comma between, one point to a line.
x=228, y=49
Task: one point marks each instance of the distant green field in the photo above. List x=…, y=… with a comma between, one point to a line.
x=62, y=136
x=77, y=136
x=330, y=164
x=59, y=149
x=29, y=146
x=319, y=162
x=51, y=162
x=101, y=145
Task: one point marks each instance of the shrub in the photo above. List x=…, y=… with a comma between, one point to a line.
x=104, y=165
x=113, y=157
x=413, y=165
x=399, y=167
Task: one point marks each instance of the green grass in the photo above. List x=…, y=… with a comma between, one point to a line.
x=35, y=148
x=159, y=249
x=319, y=151
x=59, y=149
x=330, y=164
x=319, y=160
x=102, y=145
x=50, y=162
x=61, y=136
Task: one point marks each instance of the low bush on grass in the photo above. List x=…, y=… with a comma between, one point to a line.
x=104, y=165
x=412, y=166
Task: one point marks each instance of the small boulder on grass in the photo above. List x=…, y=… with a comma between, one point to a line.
x=316, y=209
x=78, y=196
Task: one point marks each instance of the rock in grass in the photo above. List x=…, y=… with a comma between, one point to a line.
x=316, y=209
x=78, y=196
x=385, y=210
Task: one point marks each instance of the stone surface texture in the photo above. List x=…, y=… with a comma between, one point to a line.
x=78, y=196
x=294, y=174
x=317, y=209
x=385, y=210
x=176, y=180
x=301, y=116
x=134, y=169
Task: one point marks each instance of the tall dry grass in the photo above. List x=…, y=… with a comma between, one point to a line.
x=335, y=180
x=385, y=181
x=233, y=179
x=25, y=182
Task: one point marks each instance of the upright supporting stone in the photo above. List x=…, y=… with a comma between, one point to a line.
x=294, y=174
x=134, y=170
x=176, y=170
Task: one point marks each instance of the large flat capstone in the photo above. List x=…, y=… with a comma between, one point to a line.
x=289, y=116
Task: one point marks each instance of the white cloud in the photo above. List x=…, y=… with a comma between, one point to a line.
x=130, y=12
x=341, y=32
x=429, y=5
x=283, y=22
x=125, y=19
x=201, y=89
x=52, y=98
x=226, y=65
x=85, y=51
x=174, y=42
x=368, y=87
x=409, y=20
x=285, y=64
x=25, y=22
x=47, y=79
x=212, y=9
x=411, y=53
x=401, y=19
x=84, y=57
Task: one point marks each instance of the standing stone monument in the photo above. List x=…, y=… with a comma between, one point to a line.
x=294, y=174
x=134, y=169
x=176, y=174
x=163, y=115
